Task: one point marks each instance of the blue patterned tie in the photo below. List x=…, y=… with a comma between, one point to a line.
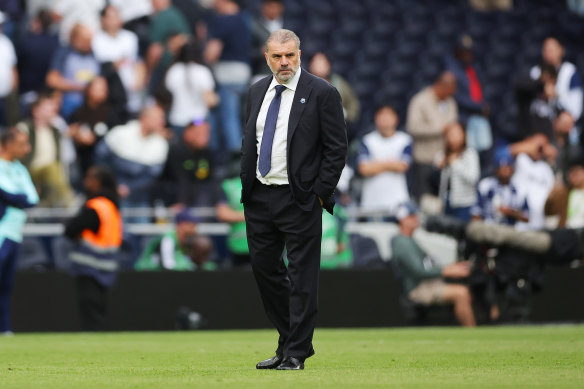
x=265, y=162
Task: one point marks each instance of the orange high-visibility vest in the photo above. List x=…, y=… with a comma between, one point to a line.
x=109, y=235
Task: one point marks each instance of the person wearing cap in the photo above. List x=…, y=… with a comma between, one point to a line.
x=567, y=201
x=499, y=201
x=424, y=280
x=190, y=168
x=8, y=72
x=180, y=249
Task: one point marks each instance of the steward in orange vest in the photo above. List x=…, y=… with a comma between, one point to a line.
x=97, y=232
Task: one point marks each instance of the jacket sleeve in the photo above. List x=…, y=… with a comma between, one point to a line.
x=87, y=218
x=334, y=145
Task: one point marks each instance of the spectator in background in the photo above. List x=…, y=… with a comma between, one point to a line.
x=227, y=52
x=192, y=87
x=194, y=13
x=499, y=201
x=460, y=172
x=72, y=68
x=8, y=74
x=429, y=113
x=424, y=281
x=136, y=17
x=167, y=22
x=567, y=201
x=179, y=249
x=320, y=66
x=473, y=110
x=270, y=19
x=540, y=111
x=533, y=177
x=36, y=48
x=568, y=83
x=190, y=168
x=97, y=232
x=69, y=13
x=44, y=162
x=120, y=47
x=16, y=193
x=136, y=153
x=91, y=121
x=384, y=159
x=230, y=210
x=491, y=5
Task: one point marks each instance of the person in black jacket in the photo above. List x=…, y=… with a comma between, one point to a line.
x=293, y=152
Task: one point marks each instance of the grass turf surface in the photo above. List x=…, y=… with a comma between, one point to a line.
x=548, y=356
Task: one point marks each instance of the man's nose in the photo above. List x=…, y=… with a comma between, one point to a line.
x=284, y=61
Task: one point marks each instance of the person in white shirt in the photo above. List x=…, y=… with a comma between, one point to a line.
x=568, y=83
x=460, y=173
x=192, y=87
x=384, y=158
x=8, y=72
x=119, y=46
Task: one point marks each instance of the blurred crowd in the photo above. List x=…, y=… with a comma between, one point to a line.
x=153, y=89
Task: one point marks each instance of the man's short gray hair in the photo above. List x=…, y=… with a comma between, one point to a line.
x=283, y=36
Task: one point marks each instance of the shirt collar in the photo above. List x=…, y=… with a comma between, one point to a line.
x=292, y=84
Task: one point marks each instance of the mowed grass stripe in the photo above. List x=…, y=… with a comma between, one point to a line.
x=539, y=356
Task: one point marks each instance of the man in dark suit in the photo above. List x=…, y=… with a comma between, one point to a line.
x=293, y=152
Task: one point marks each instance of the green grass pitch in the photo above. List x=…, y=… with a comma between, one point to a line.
x=547, y=356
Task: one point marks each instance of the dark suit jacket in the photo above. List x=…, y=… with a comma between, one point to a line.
x=317, y=141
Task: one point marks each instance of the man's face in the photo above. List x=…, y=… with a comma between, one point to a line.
x=197, y=136
x=82, y=40
x=504, y=173
x=272, y=10
x=91, y=181
x=576, y=177
x=111, y=20
x=283, y=59
x=19, y=147
x=552, y=52
x=320, y=66
x=153, y=120
x=386, y=121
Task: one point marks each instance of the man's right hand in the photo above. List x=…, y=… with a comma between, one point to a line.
x=457, y=270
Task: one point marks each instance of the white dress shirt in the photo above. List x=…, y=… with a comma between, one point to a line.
x=278, y=174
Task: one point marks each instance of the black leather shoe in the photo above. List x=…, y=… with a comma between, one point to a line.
x=271, y=363
x=291, y=363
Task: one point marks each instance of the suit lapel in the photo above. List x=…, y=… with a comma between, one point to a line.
x=301, y=98
x=256, y=101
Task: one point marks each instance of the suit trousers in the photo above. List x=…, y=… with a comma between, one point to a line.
x=289, y=295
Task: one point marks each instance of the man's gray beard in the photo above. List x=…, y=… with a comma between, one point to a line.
x=278, y=76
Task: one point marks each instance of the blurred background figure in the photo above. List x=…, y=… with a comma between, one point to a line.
x=97, y=233
x=499, y=201
x=17, y=192
x=167, y=22
x=120, y=47
x=68, y=13
x=72, y=68
x=320, y=66
x=270, y=19
x=230, y=210
x=44, y=162
x=384, y=159
x=429, y=113
x=460, y=172
x=91, y=122
x=566, y=200
x=180, y=249
x=192, y=87
x=189, y=175
x=227, y=52
x=8, y=79
x=491, y=5
x=36, y=47
x=136, y=152
x=473, y=110
x=424, y=280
